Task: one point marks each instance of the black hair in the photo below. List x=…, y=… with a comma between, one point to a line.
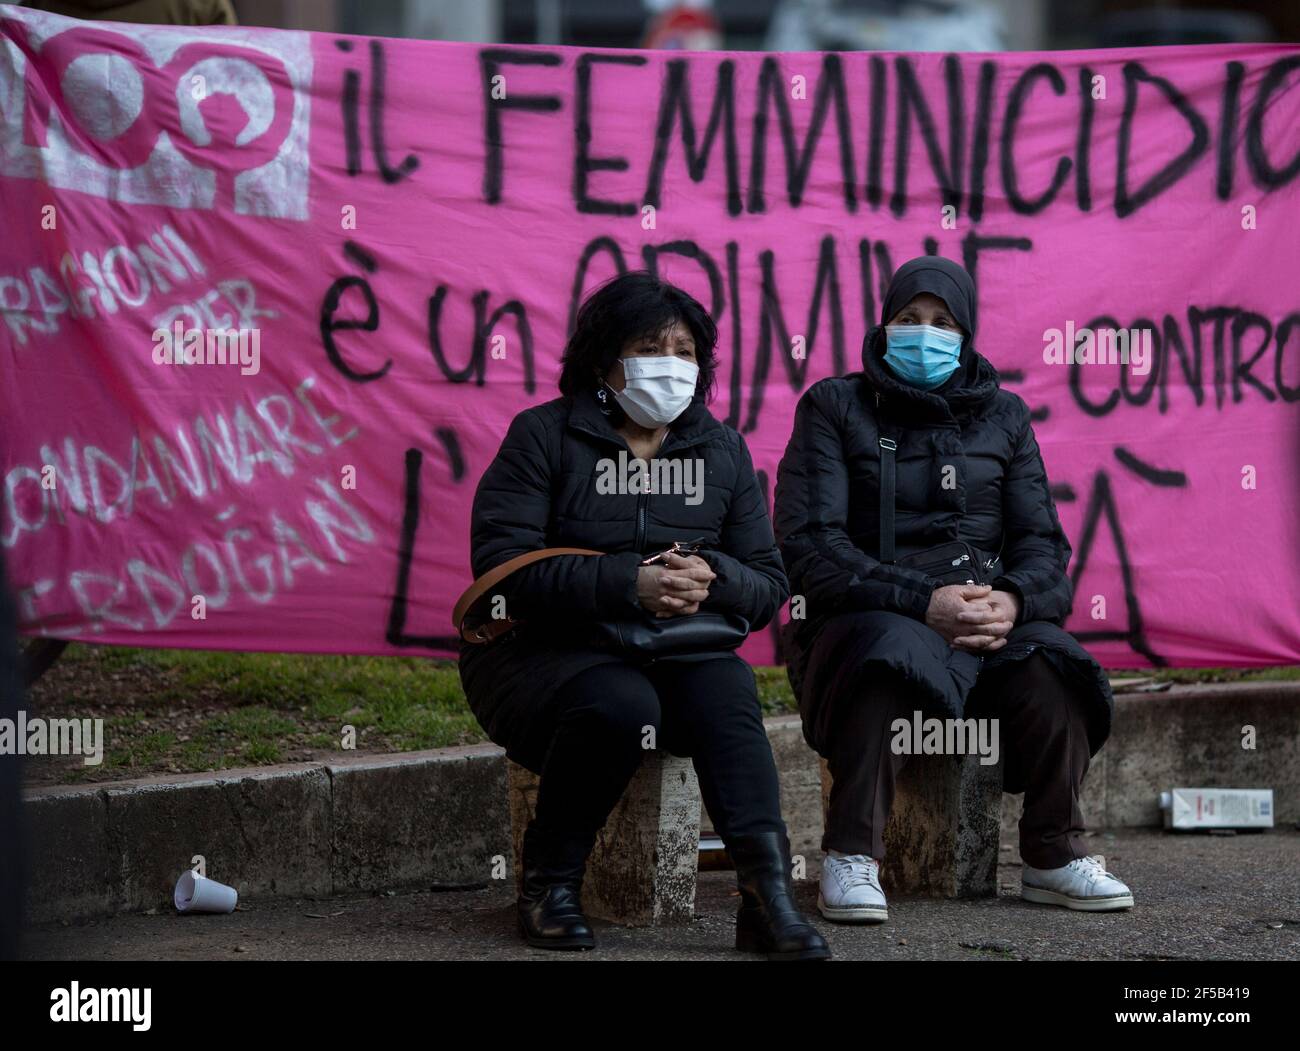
x=629, y=307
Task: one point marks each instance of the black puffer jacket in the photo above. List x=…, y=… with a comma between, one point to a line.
x=541, y=491
x=827, y=523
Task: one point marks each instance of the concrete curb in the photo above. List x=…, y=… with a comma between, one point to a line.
x=441, y=817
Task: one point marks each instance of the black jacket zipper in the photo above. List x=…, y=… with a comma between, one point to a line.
x=639, y=542
x=643, y=499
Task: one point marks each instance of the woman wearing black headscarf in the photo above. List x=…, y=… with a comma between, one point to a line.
x=882, y=638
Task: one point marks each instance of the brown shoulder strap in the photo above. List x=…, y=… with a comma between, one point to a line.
x=484, y=584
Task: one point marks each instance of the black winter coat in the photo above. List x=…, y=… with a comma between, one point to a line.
x=541, y=491
x=827, y=523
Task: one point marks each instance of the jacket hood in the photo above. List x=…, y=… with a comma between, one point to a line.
x=967, y=392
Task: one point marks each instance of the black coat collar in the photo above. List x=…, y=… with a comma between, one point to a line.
x=694, y=424
x=968, y=392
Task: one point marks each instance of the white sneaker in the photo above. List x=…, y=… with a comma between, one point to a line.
x=1083, y=884
x=850, y=889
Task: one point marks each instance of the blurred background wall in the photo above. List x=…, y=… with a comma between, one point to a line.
x=936, y=25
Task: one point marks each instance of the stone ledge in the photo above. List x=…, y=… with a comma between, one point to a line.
x=348, y=824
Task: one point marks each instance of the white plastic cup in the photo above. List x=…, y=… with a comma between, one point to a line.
x=200, y=894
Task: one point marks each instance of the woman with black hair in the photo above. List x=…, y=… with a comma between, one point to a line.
x=637, y=372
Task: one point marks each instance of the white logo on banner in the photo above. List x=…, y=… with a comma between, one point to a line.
x=157, y=115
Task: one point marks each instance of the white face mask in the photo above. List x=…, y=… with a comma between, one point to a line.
x=657, y=389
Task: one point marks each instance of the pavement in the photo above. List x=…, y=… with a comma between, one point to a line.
x=1198, y=897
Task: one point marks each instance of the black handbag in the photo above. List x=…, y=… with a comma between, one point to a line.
x=649, y=637
x=644, y=637
x=952, y=562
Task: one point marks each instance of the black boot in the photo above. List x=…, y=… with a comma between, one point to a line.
x=550, y=905
x=768, y=920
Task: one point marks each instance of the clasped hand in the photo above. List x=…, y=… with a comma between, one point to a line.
x=675, y=588
x=973, y=617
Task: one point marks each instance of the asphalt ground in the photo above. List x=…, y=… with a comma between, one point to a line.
x=1197, y=897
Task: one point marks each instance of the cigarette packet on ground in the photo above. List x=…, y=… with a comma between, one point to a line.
x=1192, y=808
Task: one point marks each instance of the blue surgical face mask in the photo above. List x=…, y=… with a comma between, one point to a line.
x=922, y=355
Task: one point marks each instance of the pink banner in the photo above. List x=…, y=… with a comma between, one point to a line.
x=388, y=238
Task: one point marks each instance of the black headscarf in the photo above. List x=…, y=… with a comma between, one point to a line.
x=940, y=277
x=969, y=389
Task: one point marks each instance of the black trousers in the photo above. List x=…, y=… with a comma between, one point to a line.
x=1043, y=740
x=600, y=723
